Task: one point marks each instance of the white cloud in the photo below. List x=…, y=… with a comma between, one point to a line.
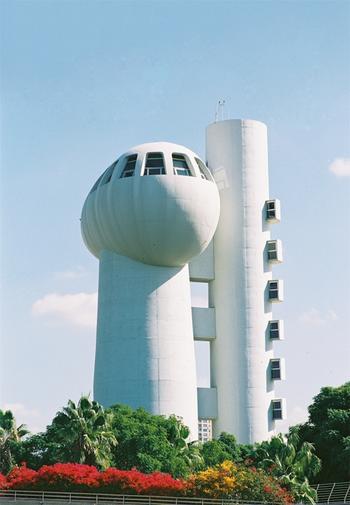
x=340, y=167
x=75, y=273
x=79, y=309
x=315, y=317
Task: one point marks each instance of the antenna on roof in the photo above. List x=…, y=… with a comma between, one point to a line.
x=220, y=111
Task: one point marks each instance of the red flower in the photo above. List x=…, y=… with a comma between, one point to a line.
x=3, y=481
x=84, y=478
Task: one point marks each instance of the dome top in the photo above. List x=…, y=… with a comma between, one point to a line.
x=158, y=204
x=165, y=147
x=155, y=158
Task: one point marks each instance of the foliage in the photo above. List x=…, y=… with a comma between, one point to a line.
x=82, y=434
x=74, y=477
x=328, y=429
x=85, y=433
x=152, y=443
x=222, y=449
x=38, y=450
x=226, y=480
x=10, y=437
x=229, y=480
x=291, y=462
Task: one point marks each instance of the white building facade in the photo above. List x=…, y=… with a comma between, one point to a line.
x=205, y=430
x=157, y=219
x=242, y=289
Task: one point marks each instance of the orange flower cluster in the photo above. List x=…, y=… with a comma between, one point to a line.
x=229, y=480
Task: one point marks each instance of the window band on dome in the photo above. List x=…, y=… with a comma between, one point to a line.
x=180, y=165
x=95, y=186
x=154, y=164
x=129, y=169
x=108, y=174
x=202, y=169
x=105, y=177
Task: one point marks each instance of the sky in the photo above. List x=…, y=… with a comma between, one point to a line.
x=81, y=82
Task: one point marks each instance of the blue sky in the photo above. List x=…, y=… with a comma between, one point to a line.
x=82, y=81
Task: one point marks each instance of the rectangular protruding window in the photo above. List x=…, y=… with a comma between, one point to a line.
x=275, y=290
x=154, y=164
x=274, y=251
x=275, y=369
x=276, y=330
x=130, y=165
x=277, y=409
x=180, y=165
x=273, y=211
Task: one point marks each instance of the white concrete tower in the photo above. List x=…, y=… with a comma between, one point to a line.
x=242, y=290
x=149, y=213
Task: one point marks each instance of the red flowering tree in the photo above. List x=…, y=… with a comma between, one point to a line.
x=226, y=480
x=135, y=482
x=3, y=481
x=21, y=478
x=74, y=477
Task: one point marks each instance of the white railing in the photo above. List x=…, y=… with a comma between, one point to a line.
x=333, y=492
x=336, y=492
x=43, y=497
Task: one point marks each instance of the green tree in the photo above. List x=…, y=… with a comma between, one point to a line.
x=38, y=450
x=225, y=448
x=328, y=429
x=152, y=443
x=82, y=434
x=291, y=461
x=10, y=438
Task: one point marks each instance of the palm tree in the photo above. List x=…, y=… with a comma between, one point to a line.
x=189, y=451
x=293, y=463
x=85, y=431
x=10, y=436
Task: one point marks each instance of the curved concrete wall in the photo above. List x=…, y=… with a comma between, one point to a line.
x=163, y=220
x=144, y=346
x=237, y=156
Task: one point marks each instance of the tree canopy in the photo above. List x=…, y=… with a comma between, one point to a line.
x=120, y=437
x=152, y=443
x=328, y=429
x=10, y=437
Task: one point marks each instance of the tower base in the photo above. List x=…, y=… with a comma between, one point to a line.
x=144, y=347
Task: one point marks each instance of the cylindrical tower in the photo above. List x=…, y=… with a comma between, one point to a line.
x=241, y=353
x=152, y=211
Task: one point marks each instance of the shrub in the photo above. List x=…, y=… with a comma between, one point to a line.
x=74, y=477
x=228, y=480
x=3, y=481
x=67, y=477
x=135, y=482
x=21, y=478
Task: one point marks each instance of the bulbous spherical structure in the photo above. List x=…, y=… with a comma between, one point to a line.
x=157, y=204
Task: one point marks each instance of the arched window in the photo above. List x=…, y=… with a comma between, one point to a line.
x=130, y=165
x=203, y=169
x=95, y=186
x=154, y=164
x=107, y=176
x=181, y=167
